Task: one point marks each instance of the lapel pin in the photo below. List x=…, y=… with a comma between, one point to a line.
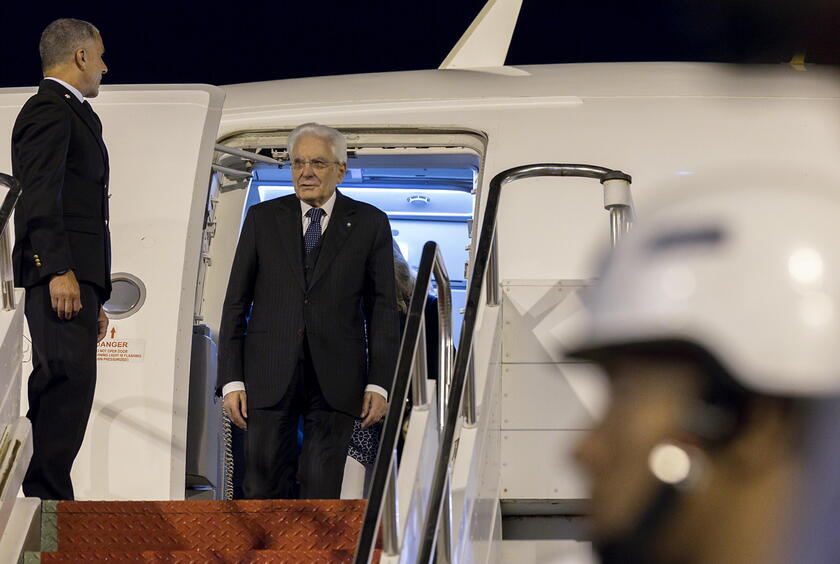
x=67, y=96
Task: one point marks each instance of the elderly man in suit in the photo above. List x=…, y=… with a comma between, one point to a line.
x=62, y=253
x=309, y=325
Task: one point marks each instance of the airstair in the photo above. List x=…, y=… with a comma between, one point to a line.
x=252, y=531
x=451, y=511
x=484, y=466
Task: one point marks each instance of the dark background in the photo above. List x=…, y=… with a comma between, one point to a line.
x=154, y=42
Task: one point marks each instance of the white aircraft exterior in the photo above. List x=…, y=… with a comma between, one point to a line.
x=175, y=224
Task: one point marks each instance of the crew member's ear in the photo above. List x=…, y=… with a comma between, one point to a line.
x=81, y=58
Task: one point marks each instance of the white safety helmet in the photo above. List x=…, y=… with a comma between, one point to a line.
x=750, y=275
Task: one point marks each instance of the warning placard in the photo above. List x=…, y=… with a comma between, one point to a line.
x=120, y=349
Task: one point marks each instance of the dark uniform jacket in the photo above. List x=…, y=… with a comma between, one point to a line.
x=345, y=304
x=61, y=219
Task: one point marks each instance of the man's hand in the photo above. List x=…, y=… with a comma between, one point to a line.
x=374, y=408
x=101, y=325
x=65, y=295
x=236, y=407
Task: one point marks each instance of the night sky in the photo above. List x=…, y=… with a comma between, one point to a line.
x=252, y=41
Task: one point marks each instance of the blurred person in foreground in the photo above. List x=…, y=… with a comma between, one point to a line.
x=719, y=333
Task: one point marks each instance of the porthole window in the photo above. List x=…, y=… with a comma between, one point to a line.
x=128, y=293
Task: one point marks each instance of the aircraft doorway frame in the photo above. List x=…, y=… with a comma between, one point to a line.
x=227, y=190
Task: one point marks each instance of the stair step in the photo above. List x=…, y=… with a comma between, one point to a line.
x=195, y=556
x=215, y=526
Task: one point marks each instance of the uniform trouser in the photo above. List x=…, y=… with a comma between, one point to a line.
x=60, y=387
x=273, y=468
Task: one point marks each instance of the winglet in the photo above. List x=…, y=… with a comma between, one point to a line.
x=485, y=43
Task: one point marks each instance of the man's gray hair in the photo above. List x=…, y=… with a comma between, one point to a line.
x=62, y=38
x=331, y=135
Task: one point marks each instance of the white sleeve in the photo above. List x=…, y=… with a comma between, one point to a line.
x=233, y=387
x=370, y=388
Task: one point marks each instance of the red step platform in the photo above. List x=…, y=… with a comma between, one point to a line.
x=246, y=531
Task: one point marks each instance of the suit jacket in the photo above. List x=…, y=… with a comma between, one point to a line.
x=347, y=310
x=61, y=219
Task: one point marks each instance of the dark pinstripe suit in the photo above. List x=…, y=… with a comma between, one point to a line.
x=338, y=326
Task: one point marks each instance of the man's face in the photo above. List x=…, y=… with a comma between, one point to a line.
x=314, y=171
x=94, y=67
x=648, y=401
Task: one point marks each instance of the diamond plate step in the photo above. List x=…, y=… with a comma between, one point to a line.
x=196, y=557
x=216, y=526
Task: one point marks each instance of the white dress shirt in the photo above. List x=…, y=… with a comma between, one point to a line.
x=70, y=87
x=239, y=386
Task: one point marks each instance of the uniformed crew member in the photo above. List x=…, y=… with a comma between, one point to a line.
x=62, y=253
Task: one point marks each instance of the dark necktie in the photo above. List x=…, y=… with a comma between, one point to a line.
x=313, y=233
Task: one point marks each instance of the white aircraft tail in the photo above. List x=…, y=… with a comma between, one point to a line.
x=485, y=43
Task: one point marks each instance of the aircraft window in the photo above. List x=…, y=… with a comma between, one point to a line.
x=127, y=296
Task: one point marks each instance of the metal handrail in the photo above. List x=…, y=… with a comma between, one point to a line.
x=247, y=155
x=10, y=200
x=620, y=217
x=382, y=502
x=7, y=283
